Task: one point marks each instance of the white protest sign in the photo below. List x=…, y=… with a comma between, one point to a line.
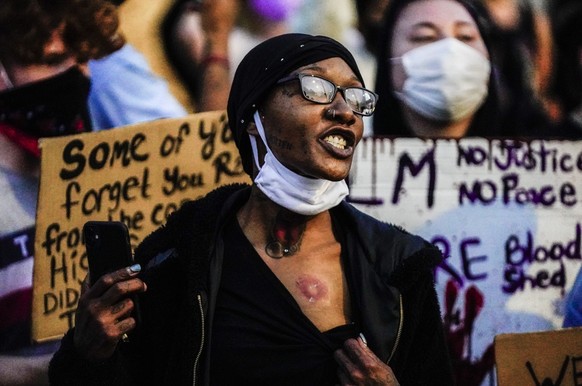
x=507, y=214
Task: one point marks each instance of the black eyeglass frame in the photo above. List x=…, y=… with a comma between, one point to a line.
x=337, y=88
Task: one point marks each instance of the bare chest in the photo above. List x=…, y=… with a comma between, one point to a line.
x=317, y=283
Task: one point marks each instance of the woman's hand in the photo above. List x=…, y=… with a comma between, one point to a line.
x=358, y=365
x=104, y=313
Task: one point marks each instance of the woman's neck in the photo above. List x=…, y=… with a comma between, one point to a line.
x=428, y=128
x=274, y=229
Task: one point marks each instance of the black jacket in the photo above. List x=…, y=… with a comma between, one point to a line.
x=392, y=270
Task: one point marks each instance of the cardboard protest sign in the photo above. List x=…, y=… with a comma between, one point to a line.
x=508, y=216
x=137, y=174
x=540, y=358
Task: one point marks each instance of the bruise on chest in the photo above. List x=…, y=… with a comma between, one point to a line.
x=311, y=288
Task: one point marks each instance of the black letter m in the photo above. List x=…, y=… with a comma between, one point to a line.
x=406, y=162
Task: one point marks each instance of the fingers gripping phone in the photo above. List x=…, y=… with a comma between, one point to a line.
x=108, y=249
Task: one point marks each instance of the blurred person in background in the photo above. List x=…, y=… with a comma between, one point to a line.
x=521, y=42
x=437, y=76
x=370, y=20
x=566, y=88
x=125, y=90
x=183, y=41
x=205, y=40
x=350, y=22
x=573, y=313
x=45, y=47
x=434, y=72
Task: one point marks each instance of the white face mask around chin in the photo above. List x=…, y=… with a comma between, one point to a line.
x=303, y=195
x=447, y=80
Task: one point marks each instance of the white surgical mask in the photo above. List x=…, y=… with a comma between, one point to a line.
x=446, y=80
x=299, y=194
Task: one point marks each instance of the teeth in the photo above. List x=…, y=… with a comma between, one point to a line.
x=336, y=141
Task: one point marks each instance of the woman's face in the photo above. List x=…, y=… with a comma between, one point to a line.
x=427, y=21
x=57, y=59
x=308, y=138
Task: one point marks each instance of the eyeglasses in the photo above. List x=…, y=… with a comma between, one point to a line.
x=319, y=90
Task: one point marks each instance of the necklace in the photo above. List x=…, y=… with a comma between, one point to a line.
x=286, y=235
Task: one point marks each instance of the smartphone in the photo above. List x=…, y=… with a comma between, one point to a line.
x=108, y=249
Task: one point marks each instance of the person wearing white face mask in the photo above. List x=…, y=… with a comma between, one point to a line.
x=434, y=76
x=445, y=81
x=437, y=76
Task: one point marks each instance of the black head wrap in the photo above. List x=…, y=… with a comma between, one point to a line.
x=260, y=70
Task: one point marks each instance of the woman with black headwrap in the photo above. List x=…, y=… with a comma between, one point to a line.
x=281, y=282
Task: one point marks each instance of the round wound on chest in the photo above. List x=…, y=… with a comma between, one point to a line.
x=311, y=288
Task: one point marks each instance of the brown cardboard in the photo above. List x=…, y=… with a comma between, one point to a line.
x=137, y=174
x=549, y=358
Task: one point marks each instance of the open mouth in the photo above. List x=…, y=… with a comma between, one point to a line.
x=336, y=141
x=340, y=143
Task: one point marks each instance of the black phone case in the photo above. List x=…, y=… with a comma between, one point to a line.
x=108, y=249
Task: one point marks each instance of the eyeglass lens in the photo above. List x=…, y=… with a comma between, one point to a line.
x=321, y=90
